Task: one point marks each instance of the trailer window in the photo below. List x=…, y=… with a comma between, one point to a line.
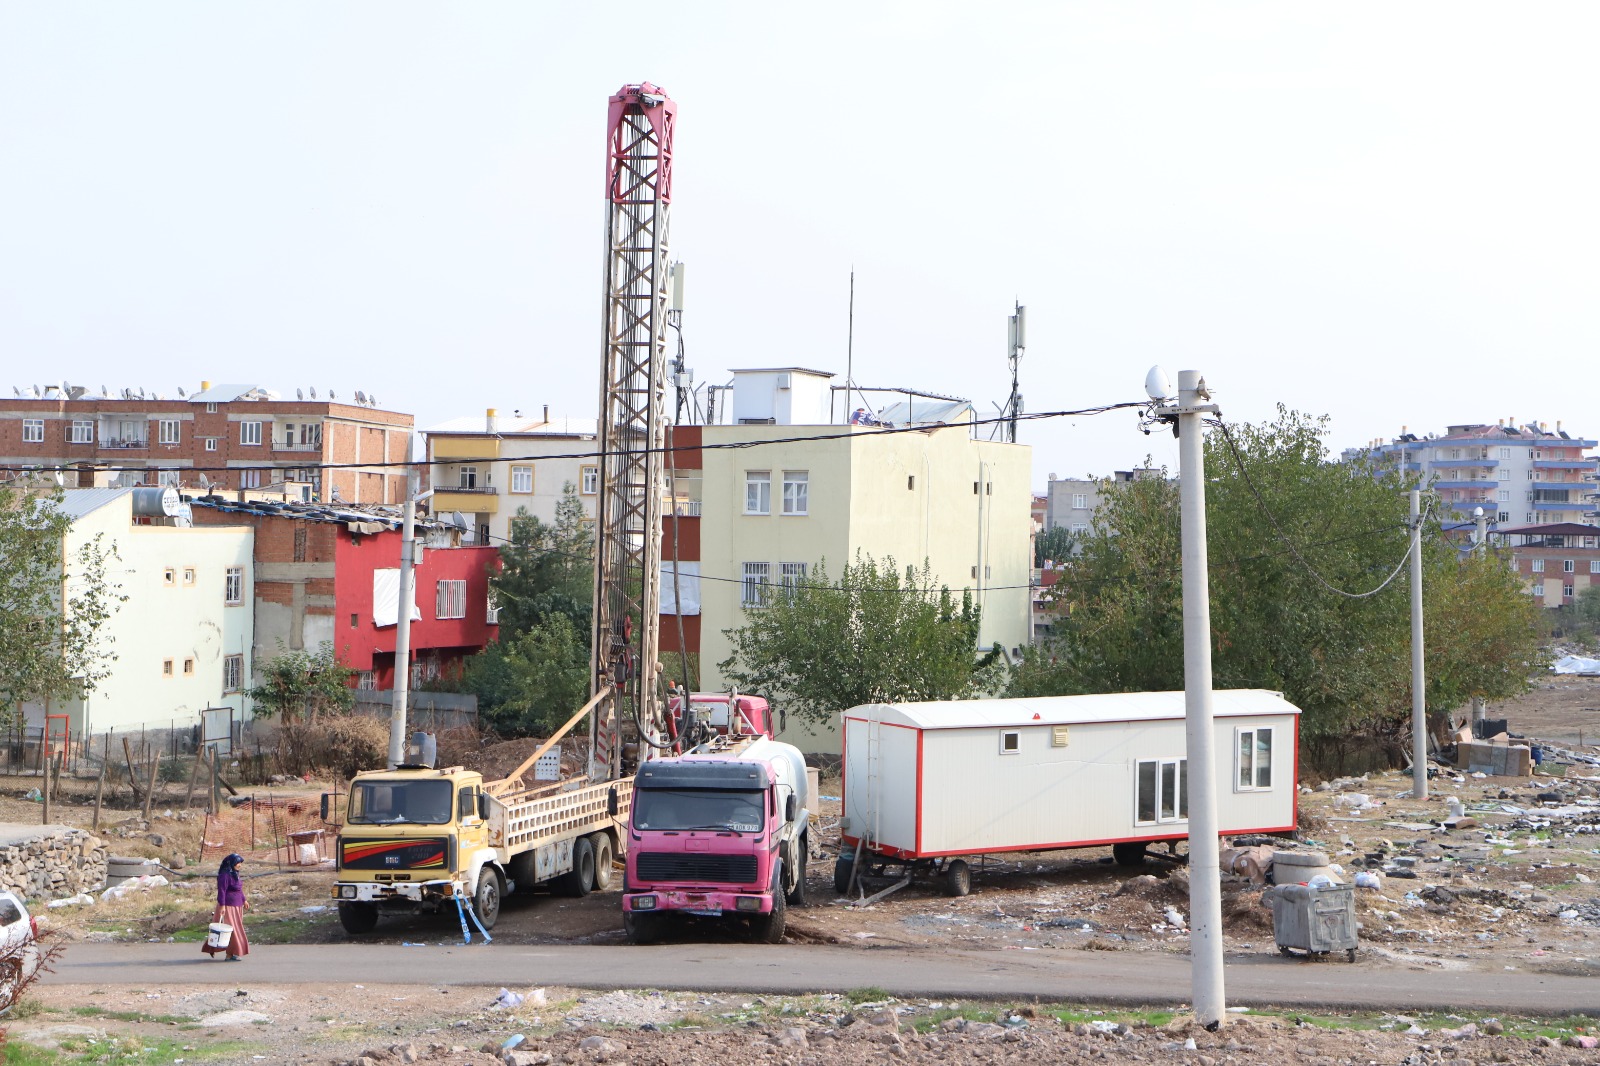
x=1161, y=791
x=1254, y=756
x=1010, y=741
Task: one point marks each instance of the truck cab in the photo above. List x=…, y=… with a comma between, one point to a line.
x=721, y=833
x=718, y=714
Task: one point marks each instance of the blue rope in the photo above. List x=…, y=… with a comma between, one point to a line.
x=466, y=934
x=464, y=911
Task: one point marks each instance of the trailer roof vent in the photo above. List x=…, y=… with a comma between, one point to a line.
x=1058, y=736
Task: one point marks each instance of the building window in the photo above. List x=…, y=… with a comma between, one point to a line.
x=450, y=600
x=491, y=611
x=1538, y=566
x=1505, y=516
x=1010, y=741
x=188, y=575
x=1503, y=496
x=1566, y=591
x=233, y=586
x=82, y=432
x=522, y=479
x=1505, y=453
x=1254, y=759
x=1161, y=792
x=249, y=479
x=1594, y=566
x=1080, y=501
x=796, y=485
x=33, y=431
x=1079, y=529
x=758, y=492
x=211, y=444
x=211, y=408
x=469, y=477
x=174, y=478
x=166, y=667
x=249, y=432
x=1505, y=475
x=756, y=578
x=588, y=480
x=367, y=682
x=168, y=430
x=790, y=576
x=188, y=668
x=232, y=673
x=1568, y=566
x=169, y=577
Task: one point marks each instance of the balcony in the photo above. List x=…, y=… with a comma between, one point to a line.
x=463, y=448
x=1450, y=464
x=1480, y=483
x=1467, y=505
x=1563, y=464
x=291, y=446
x=1558, y=505
x=123, y=443
x=469, y=501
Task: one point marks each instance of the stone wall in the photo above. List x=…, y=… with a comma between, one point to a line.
x=50, y=861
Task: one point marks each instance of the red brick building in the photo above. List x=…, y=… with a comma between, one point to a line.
x=236, y=436
x=316, y=571
x=1556, y=561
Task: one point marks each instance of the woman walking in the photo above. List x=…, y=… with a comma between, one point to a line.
x=231, y=906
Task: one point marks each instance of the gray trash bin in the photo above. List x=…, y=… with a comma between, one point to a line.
x=1314, y=920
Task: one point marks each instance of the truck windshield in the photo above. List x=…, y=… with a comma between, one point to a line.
x=390, y=802
x=688, y=808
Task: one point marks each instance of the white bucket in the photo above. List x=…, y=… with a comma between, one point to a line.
x=220, y=935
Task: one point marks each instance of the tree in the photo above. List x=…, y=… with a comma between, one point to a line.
x=546, y=569
x=52, y=640
x=1055, y=543
x=1344, y=661
x=530, y=684
x=299, y=684
x=879, y=635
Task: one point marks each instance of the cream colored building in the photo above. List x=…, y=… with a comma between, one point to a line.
x=182, y=638
x=769, y=512
x=488, y=468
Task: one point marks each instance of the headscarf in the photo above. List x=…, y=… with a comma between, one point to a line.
x=229, y=863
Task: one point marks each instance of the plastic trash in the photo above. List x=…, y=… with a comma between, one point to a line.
x=508, y=1000
x=1320, y=880
x=515, y=1041
x=72, y=901
x=1368, y=879
x=1174, y=917
x=537, y=998
x=35, y=795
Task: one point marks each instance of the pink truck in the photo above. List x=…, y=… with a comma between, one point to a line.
x=719, y=832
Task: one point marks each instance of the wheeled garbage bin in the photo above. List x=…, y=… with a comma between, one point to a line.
x=1315, y=920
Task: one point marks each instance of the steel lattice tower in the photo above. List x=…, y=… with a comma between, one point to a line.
x=627, y=596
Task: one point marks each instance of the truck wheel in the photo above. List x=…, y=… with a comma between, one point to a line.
x=641, y=928
x=486, y=901
x=602, y=860
x=576, y=882
x=358, y=918
x=957, y=877
x=768, y=928
x=1128, y=853
x=841, y=871
x=796, y=894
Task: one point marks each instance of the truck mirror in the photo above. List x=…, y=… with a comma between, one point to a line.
x=324, y=806
x=611, y=802
x=791, y=807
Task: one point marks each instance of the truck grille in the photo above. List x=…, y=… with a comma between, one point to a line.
x=697, y=867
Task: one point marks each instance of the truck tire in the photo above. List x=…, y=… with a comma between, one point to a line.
x=358, y=918
x=796, y=894
x=957, y=877
x=1128, y=853
x=601, y=842
x=641, y=928
x=486, y=901
x=577, y=881
x=768, y=928
x=842, y=869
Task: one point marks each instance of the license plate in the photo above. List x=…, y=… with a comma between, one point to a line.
x=705, y=912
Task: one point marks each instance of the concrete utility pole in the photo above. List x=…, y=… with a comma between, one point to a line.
x=1205, y=874
x=1480, y=543
x=1419, y=710
x=402, y=626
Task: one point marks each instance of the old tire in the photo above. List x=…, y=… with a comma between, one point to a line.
x=795, y=894
x=957, y=878
x=358, y=918
x=486, y=900
x=768, y=928
x=580, y=878
x=842, y=868
x=1128, y=853
x=602, y=860
x=641, y=928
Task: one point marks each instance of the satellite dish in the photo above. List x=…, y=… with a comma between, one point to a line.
x=141, y=392
x=205, y=483
x=373, y=400
x=313, y=389
x=299, y=394
x=15, y=391
x=37, y=392
x=105, y=392
x=127, y=394
x=331, y=396
x=63, y=389
x=181, y=393
x=361, y=397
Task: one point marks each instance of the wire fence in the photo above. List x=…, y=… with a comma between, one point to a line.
x=286, y=830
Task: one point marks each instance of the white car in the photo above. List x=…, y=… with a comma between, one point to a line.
x=19, y=949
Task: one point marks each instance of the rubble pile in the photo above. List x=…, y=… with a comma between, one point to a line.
x=51, y=861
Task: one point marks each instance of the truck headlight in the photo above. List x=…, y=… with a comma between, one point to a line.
x=748, y=903
x=644, y=903
x=347, y=891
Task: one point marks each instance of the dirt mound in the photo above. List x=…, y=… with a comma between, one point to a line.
x=497, y=759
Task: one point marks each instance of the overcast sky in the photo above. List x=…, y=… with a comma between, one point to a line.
x=1384, y=213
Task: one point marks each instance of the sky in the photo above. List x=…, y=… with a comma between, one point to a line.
x=1381, y=213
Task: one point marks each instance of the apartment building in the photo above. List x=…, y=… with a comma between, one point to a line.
x=228, y=436
x=1557, y=561
x=327, y=574
x=1524, y=474
x=748, y=519
x=1072, y=502
x=184, y=637
x=489, y=468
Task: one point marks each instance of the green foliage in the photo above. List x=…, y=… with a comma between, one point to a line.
x=531, y=683
x=546, y=570
x=1055, y=543
x=303, y=684
x=877, y=635
x=1345, y=662
x=51, y=640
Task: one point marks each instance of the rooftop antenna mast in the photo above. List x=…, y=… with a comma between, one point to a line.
x=1017, y=326
x=682, y=376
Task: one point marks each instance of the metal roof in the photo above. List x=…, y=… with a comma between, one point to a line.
x=75, y=503
x=920, y=412
x=1550, y=529
x=1069, y=710
x=230, y=393
x=475, y=425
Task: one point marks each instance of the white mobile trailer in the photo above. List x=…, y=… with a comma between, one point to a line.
x=936, y=781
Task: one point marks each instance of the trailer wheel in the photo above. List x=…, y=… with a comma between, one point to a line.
x=641, y=928
x=602, y=860
x=358, y=918
x=486, y=901
x=842, y=868
x=1128, y=853
x=957, y=877
x=768, y=928
x=796, y=894
x=576, y=882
